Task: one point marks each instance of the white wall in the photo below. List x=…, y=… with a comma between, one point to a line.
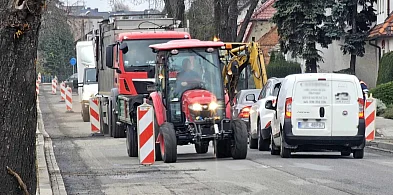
x=382, y=10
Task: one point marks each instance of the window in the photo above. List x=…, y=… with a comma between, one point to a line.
x=264, y=90
x=90, y=75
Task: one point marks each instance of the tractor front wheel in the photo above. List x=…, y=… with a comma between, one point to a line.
x=239, y=146
x=168, y=143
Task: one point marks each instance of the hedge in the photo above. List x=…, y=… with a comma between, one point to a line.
x=384, y=92
x=345, y=71
x=385, y=71
x=280, y=68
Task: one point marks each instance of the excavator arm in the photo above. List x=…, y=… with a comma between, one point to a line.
x=237, y=62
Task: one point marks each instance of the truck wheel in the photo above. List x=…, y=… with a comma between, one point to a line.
x=85, y=114
x=223, y=148
x=157, y=148
x=358, y=154
x=239, y=148
x=284, y=152
x=168, y=143
x=201, y=148
x=274, y=150
x=117, y=131
x=131, y=141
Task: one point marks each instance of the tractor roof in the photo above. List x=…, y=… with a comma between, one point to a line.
x=154, y=35
x=186, y=43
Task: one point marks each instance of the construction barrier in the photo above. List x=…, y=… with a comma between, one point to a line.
x=68, y=93
x=37, y=87
x=54, y=87
x=146, y=142
x=370, y=113
x=62, y=91
x=39, y=78
x=94, y=105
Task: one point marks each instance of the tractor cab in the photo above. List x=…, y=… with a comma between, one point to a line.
x=188, y=76
x=189, y=101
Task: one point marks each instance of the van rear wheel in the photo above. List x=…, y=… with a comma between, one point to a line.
x=358, y=154
x=284, y=152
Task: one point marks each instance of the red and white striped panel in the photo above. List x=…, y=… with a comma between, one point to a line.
x=94, y=115
x=62, y=91
x=39, y=78
x=68, y=94
x=370, y=115
x=146, y=142
x=37, y=87
x=54, y=86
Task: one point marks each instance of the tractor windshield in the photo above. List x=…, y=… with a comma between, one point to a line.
x=197, y=68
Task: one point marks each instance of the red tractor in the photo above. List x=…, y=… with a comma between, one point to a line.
x=189, y=101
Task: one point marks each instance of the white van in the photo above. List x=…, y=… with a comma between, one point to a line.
x=318, y=111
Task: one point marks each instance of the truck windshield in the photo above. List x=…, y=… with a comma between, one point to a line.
x=140, y=54
x=199, y=68
x=90, y=76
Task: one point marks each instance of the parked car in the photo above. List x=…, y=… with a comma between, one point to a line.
x=69, y=81
x=243, y=101
x=311, y=116
x=260, y=117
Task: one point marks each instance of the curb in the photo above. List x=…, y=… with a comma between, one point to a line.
x=381, y=145
x=50, y=181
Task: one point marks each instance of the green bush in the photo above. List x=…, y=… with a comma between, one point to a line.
x=384, y=92
x=345, y=71
x=280, y=68
x=385, y=71
x=388, y=112
x=381, y=107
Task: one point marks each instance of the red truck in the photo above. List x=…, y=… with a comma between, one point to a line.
x=126, y=69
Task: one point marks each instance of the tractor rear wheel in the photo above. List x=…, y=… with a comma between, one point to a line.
x=239, y=147
x=168, y=143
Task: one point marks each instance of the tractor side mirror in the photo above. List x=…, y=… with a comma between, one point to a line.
x=109, y=56
x=124, y=47
x=269, y=105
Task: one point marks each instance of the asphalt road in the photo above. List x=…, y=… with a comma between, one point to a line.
x=100, y=165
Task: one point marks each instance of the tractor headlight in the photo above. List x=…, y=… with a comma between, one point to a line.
x=213, y=106
x=196, y=107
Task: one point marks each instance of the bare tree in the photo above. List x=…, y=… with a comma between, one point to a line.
x=247, y=19
x=19, y=28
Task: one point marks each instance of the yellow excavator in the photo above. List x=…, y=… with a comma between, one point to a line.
x=238, y=56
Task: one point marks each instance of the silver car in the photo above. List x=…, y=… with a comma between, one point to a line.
x=243, y=102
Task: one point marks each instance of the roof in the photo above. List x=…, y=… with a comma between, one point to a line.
x=154, y=35
x=271, y=38
x=186, y=43
x=265, y=12
x=383, y=30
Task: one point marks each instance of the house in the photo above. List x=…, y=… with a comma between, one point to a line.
x=261, y=29
x=382, y=33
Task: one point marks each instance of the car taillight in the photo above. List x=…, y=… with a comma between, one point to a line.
x=245, y=112
x=288, y=108
x=361, y=107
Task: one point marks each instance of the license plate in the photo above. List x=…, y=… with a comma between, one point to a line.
x=311, y=125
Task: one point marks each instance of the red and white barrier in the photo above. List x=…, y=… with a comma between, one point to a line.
x=68, y=93
x=37, y=87
x=146, y=142
x=94, y=115
x=62, y=91
x=54, y=87
x=39, y=78
x=370, y=113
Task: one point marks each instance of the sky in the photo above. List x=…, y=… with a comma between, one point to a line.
x=103, y=5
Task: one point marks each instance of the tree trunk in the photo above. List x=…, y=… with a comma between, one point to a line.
x=225, y=13
x=352, y=63
x=246, y=20
x=168, y=8
x=217, y=17
x=180, y=12
x=17, y=89
x=233, y=14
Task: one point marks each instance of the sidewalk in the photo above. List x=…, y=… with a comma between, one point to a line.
x=384, y=135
